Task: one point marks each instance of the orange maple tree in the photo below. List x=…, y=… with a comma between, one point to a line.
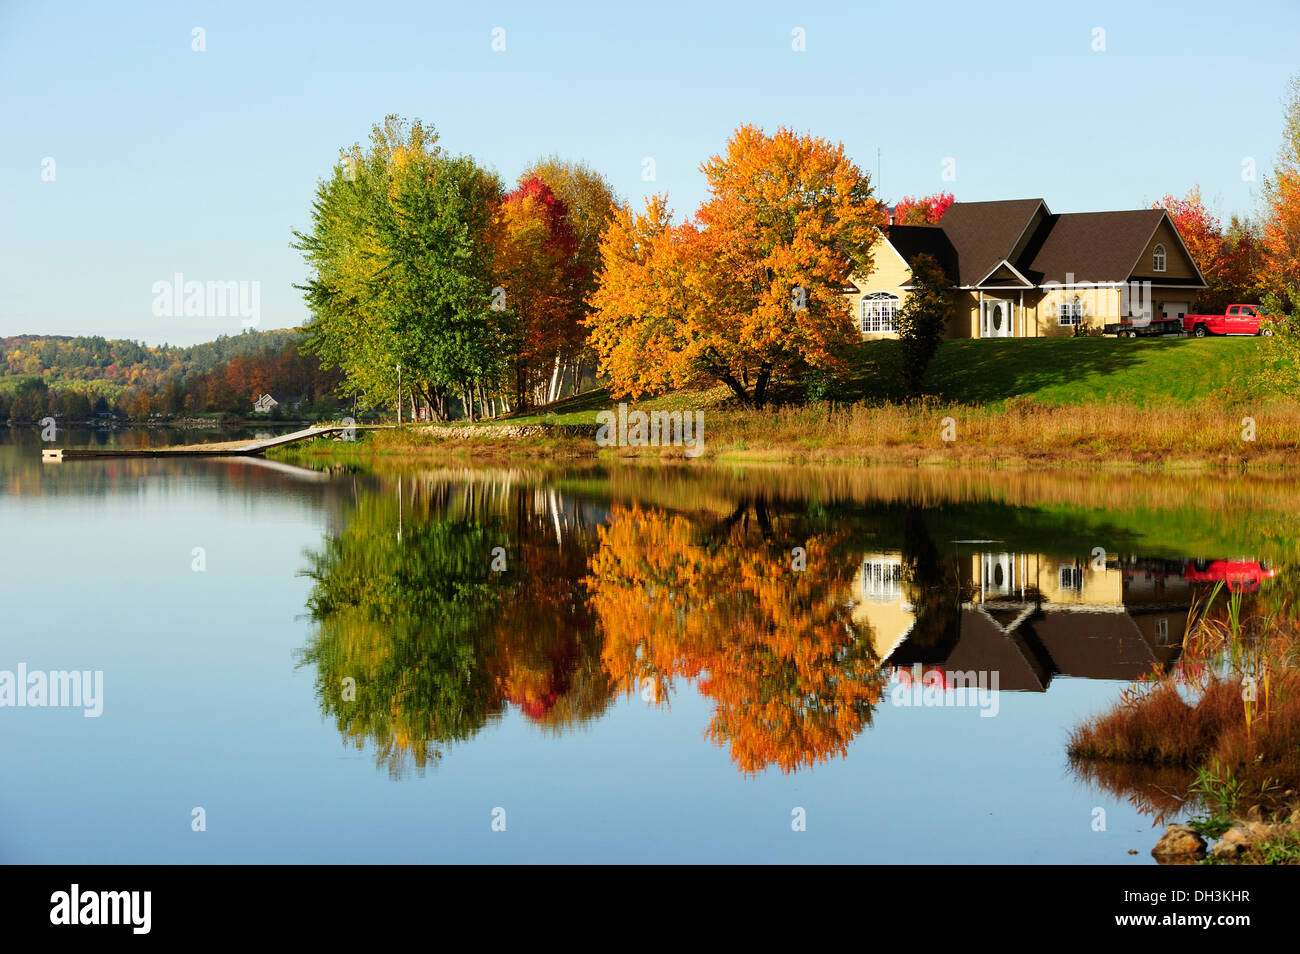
x=752, y=287
x=1281, y=239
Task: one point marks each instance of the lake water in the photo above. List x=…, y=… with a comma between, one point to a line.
x=641, y=663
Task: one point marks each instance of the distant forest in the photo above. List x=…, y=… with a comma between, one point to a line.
x=82, y=377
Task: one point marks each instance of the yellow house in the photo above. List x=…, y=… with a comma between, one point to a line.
x=1019, y=271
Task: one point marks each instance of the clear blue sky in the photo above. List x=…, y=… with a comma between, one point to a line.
x=169, y=160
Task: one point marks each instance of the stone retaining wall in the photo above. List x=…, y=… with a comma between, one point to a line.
x=508, y=431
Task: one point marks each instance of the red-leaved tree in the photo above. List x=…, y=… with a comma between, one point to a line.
x=927, y=210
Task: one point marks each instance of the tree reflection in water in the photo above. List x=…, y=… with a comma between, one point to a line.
x=420, y=642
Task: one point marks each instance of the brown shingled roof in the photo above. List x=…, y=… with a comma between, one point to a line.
x=1094, y=246
x=913, y=240
x=972, y=238
x=984, y=233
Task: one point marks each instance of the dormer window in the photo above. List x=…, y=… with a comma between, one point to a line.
x=1158, y=259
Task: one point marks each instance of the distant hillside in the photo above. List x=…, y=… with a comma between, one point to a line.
x=92, y=358
x=80, y=376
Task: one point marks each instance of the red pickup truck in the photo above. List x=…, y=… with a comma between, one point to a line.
x=1236, y=320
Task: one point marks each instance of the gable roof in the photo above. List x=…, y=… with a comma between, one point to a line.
x=913, y=240
x=976, y=244
x=984, y=233
x=1093, y=246
x=1004, y=275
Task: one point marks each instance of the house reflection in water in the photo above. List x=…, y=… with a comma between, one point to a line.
x=1027, y=616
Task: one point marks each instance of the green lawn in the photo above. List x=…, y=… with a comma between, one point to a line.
x=1048, y=370
x=1070, y=370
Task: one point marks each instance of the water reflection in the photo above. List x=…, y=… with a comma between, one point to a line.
x=446, y=598
x=753, y=607
x=443, y=602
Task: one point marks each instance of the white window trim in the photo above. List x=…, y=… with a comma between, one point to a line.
x=1159, y=258
x=875, y=317
x=882, y=580
x=1070, y=313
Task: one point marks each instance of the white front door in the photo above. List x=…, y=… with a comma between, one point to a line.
x=997, y=574
x=997, y=319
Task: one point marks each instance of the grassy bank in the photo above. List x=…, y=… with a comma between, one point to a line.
x=1179, y=403
x=1018, y=433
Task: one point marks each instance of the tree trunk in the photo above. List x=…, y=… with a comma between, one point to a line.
x=551, y=394
x=760, y=385
x=739, y=389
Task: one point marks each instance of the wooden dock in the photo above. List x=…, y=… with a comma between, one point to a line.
x=220, y=449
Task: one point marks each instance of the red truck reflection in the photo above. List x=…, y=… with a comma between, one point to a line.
x=1239, y=576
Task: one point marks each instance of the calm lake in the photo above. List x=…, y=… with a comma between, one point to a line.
x=627, y=664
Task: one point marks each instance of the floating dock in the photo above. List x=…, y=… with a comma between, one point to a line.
x=221, y=449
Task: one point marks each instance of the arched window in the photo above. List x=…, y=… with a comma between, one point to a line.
x=879, y=312
x=1158, y=259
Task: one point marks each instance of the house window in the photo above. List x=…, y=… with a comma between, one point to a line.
x=1070, y=313
x=1158, y=259
x=879, y=312
x=1071, y=578
x=882, y=579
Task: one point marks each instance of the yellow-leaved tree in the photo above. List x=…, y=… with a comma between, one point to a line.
x=751, y=289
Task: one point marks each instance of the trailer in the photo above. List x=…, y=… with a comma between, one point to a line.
x=1144, y=328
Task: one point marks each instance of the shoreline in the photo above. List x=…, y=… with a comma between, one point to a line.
x=490, y=442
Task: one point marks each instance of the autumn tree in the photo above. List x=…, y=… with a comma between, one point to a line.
x=1224, y=258
x=640, y=327
x=534, y=258
x=1281, y=189
x=927, y=210
x=923, y=319
x=752, y=287
x=589, y=204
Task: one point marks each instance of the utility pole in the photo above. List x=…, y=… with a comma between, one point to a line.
x=399, y=394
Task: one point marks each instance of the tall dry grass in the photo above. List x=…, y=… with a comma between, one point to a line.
x=1257, y=745
x=1020, y=430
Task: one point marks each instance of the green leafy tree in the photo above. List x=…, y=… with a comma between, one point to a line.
x=31, y=400
x=1281, y=364
x=923, y=320
x=401, y=256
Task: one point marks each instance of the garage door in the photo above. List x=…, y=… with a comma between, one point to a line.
x=1174, y=309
